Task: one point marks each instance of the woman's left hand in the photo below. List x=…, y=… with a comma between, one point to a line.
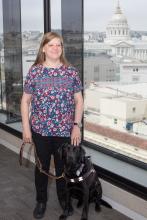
x=75, y=136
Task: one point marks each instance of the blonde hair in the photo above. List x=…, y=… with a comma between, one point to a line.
x=47, y=37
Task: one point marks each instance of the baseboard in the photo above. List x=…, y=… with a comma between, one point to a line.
x=16, y=150
x=132, y=206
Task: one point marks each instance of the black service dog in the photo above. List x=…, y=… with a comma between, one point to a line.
x=82, y=182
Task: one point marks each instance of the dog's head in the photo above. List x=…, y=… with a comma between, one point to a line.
x=72, y=156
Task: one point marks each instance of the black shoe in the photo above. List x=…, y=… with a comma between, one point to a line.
x=39, y=210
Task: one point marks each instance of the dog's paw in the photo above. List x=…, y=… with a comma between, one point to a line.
x=66, y=213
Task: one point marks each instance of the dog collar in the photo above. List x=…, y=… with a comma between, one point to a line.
x=81, y=178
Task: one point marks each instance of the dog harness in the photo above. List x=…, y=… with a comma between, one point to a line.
x=81, y=178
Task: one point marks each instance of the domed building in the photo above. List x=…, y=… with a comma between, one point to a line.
x=130, y=55
x=117, y=29
x=118, y=35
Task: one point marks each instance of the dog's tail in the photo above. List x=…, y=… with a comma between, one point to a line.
x=103, y=202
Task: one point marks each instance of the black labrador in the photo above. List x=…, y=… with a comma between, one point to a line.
x=82, y=182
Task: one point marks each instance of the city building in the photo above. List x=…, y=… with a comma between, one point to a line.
x=126, y=52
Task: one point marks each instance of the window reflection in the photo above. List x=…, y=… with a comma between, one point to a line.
x=12, y=82
x=19, y=50
x=115, y=66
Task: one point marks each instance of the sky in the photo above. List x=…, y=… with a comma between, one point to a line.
x=97, y=14
x=32, y=15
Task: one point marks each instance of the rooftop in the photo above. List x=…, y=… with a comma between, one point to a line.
x=117, y=135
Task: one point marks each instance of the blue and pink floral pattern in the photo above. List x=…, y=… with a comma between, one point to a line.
x=52, y=105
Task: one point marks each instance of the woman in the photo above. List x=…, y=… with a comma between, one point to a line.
x=52, y=92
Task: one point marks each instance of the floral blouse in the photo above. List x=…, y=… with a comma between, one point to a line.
x=52, y=104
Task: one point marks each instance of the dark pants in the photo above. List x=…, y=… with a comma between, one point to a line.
x=45, y=147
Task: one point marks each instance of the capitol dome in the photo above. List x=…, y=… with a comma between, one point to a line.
x=117, y=28
x=118, y=17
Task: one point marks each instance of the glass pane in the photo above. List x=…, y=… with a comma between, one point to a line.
x=55, y=15
x=32, y=31
x=12, y=80
x=115, y=79
x=68, y=18
x=2, y=76
x=72, y=31
x=23, y=30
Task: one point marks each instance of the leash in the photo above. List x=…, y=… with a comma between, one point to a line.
x=37, y=161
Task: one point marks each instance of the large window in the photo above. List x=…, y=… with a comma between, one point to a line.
x=20, y=38
x=115, y=76
x=115, y=67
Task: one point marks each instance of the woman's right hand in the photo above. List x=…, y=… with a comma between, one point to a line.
x=25, y=109
x=27, y=136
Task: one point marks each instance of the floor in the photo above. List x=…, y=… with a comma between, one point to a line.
x=17, y=195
